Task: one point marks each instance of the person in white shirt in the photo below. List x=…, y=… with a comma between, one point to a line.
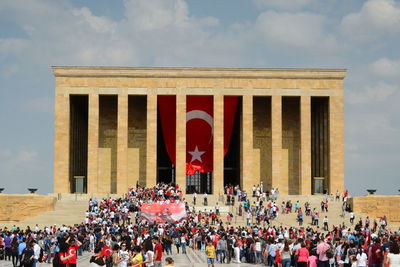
x=36, y=252
x=362, y=259
x=393, y=258
x=258, y=251
x=217, y=209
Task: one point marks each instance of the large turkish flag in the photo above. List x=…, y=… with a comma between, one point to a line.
x=199, y=129
x=199, y=134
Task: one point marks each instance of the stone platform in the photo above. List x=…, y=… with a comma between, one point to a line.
x=376, y=206
x=18, y=207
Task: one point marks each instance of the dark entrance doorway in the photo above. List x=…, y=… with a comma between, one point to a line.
x=232, y=157
x=199, y=183
x=78, y=143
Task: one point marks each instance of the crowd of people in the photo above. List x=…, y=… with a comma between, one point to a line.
x=115, y=233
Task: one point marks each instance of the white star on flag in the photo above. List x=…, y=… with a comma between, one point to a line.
x=196, y=154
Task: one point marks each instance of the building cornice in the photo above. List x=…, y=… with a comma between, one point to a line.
x=244, y=73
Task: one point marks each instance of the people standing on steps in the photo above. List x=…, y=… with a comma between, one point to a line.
x=194, y=198
x=300, y=217
x=352, y=217
x=205, y=198
x=217, y=209
x=158, y=252
x=325, y=221
x=210, y=253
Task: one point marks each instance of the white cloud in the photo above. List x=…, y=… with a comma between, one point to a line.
x=283, y=4
x=386, y=67
x=156, y=14
x=376, y=18
x=98, y=24
x=379, y=93
x=301, y=30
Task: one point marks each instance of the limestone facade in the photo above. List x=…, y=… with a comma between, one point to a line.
x=18, y=207
x=275, y=140
x=377, y=206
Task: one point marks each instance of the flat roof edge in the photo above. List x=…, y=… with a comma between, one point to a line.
x=151, y=72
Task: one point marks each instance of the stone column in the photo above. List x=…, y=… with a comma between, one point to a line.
x=247, y=145
x=151, y=141
x=93, y=143
x=61, y=144
x=180, y=166
x=276, y=130
x=336, y=144
x=218, y=154
x=305, y=145
x=122, y=144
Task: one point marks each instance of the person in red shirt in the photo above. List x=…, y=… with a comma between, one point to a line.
x=63, y=256
x=106, y=250
x=376, y=253
x=74, y=244
x=157, y=252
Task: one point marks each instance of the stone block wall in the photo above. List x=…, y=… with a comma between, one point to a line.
x=291, y=143
x=108, y=139
x=262, y=138
x=18, y=207
x=376, y=206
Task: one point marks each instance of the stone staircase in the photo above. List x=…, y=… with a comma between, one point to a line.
x=286, y=220
x=71, y=208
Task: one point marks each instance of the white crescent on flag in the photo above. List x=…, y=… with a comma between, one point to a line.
x=202, y=115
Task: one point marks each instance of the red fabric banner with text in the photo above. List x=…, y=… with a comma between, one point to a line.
x=163, y=213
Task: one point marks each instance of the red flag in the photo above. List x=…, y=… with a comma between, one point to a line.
x=199, y=134
x=367, y=241
x=167, y=111
x=230, y=103
x=199, y=129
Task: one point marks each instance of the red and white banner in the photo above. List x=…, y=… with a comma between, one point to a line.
x=199, y=134
x=161, y=213
x=199, y=129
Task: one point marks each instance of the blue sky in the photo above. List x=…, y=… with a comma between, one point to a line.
x=361, y=36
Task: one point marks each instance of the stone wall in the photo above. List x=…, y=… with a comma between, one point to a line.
x=108, y=142
x=137, y=110
x=262, y=139
x=18, y=207
x=376, y=206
